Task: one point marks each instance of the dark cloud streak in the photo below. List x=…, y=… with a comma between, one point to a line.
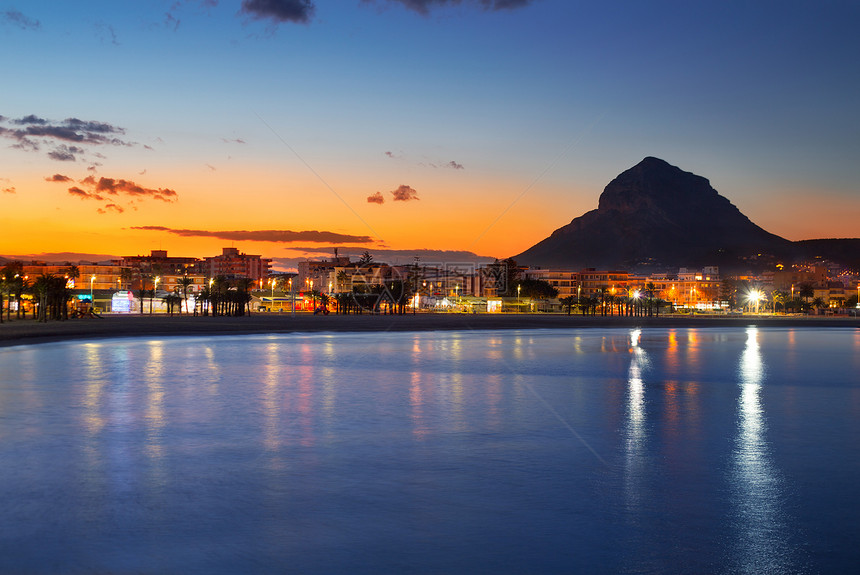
x=296, y=11
x=425, y=6
x=277, y=236
x=58, y=178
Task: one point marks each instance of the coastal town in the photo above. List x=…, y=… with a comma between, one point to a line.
x=236, y=283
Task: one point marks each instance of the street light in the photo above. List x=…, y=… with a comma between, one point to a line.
x=519, y=287
x=273, y=282
x=755, y=296
x=92, y=279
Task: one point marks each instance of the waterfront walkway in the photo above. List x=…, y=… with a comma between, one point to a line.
x=26, y=331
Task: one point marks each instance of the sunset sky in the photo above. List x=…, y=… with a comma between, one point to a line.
x=403, y=125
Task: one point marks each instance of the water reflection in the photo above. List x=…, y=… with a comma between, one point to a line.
x=762, y=544
x=636, y=468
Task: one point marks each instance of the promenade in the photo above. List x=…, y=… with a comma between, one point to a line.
x=28, y=331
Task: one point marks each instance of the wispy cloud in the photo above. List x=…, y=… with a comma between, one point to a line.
x=376, y=198
x=404, y=193
x=65, y=139
x=106, y=33
x=110, y=190
x=64, y=153
x=58, y=178
x=111, y=208
x=83, y=194
x=16, y=18
x=296, y=11
x=116, y=187
x=233, y=140
x=276, y=236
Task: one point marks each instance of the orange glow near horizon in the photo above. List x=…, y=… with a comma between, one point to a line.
x=482, y=214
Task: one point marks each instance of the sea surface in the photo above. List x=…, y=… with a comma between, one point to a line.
x=559, y=451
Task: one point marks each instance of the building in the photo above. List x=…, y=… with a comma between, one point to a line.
x=159, y=263
x=565, y=281
x=234, y=264
x=593, y=282
x=90, y=276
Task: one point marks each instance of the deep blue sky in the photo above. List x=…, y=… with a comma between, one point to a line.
x=541, y=103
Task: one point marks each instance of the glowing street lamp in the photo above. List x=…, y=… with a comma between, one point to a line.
x=519, y=287
x=755, y=296
x=92, y=279
x=292, y=298
x=273, y=282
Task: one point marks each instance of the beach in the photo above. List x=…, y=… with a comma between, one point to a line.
x=28, y=331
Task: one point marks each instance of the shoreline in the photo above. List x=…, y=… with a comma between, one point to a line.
x=28, y=331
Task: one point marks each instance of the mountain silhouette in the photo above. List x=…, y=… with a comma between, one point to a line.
x=657, y=215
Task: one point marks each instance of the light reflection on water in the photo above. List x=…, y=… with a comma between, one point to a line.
x=585, y=450
x=762, y=544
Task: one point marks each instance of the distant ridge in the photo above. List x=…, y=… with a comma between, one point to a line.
x=657, y=215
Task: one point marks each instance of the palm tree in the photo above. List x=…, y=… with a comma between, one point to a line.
x=126, y=276
x=73, y=273
x=567, y=302
x=806, y=291
x=243, y=296
x=41, y=289
x=777, y=297
x=818, y=303
x=184, y=282
x=203, y=296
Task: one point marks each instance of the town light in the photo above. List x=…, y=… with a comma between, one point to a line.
x=755, y=296
x=273, y=282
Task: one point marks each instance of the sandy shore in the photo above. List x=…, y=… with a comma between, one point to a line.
x=18, y=332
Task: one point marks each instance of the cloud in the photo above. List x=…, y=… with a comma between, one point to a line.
x=106, y=33
x=404, y=194
x=424, y=6
x=18, y=19
x=111, y=208
x=454, y=165
x=64, y=153
x=83, y=194
x=127, y=187
x=9, y=190
x=233, y=141
x=278, y=236
x=392, y=155
x=297, y=11
x=376, y=198
x=108, y=189
x=58, y=178
x=65, y=139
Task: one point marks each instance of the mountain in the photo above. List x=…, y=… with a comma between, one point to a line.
x=657, y=215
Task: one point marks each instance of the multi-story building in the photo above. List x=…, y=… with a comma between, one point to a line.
x=159, y=263
x=565, y=281
x=90, y=276
x=234, y=264
x=791, y=279
x=593, y=282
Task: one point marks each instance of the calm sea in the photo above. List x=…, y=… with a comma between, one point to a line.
x=599, y=451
